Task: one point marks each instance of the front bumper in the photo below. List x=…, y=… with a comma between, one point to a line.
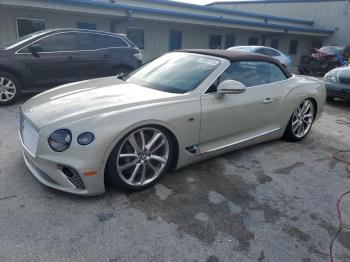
x=62, y=171
x=338, y=90
x=50, y=174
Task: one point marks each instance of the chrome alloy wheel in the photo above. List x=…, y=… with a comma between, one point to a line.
x=7, y=89
x=303, y=118
x=142, y=156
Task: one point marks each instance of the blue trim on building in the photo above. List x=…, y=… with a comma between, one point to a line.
x=233, y=12
x=217, y=19
x=272, y=2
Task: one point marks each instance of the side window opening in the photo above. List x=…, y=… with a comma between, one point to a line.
x=250, y=73
x=59, y=43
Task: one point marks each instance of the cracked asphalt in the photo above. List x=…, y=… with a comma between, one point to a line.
x=271, y=202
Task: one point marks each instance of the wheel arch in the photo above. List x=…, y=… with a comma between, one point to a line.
x=13, y=72
x=314, y=102
x=155, y=123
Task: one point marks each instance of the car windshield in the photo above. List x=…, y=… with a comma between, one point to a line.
x=242, y=48
x=332, y=49
x=174, y=72
x=21, y=40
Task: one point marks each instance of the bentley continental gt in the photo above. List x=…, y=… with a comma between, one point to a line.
x=178, y=109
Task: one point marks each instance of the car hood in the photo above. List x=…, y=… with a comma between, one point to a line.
x=88, y=98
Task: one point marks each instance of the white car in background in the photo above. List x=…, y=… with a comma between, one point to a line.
x=263, y=50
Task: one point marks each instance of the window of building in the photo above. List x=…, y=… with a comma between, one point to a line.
x=175, y=40
x=137, y=36
x=293, y=47
x=230, y=41
x=317, y=44
x=59, y=43
x=253, y=41
x=275, y=43
x=215, y=42
x=89, y=26
x=27, y=26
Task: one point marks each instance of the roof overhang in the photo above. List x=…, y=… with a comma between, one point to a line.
x=106, y=8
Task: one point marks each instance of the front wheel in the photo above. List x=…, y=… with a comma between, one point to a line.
x=140, y=159
x=300, y=122
x=10, y=88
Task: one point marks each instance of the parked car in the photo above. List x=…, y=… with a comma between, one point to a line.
x=131, y=131
x=284, y=59
x=320, y=61
x=50, y=58
x=338, y=83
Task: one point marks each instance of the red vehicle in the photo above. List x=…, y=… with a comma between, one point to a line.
x=321, y=61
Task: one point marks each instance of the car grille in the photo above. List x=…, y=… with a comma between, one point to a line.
x=344, y=80
x=29, y=135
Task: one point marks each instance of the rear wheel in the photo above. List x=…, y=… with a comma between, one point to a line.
x=300, y=122
x=140, y=159
x=10, y=88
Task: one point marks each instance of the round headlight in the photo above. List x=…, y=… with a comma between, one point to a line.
x=85, y=139
x=60, y=140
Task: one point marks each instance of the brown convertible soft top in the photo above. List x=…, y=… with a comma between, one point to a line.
x=237, y=56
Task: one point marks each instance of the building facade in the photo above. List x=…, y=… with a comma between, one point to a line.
x=333, y=14
x=160, y=26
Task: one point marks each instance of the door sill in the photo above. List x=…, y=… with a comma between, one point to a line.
x=238, y=142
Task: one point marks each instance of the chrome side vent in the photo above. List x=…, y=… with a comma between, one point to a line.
x=194, y=149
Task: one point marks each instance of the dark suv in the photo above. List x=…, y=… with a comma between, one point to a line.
x=50, y=58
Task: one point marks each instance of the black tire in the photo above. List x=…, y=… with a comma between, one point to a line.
x=289, y=135
x=112, y=175
x=330, y=99
x=17, y=85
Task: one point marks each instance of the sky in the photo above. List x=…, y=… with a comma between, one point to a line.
x=199, y=2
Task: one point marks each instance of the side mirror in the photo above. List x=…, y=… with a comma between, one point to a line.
x=228, y=87
x=35, y=49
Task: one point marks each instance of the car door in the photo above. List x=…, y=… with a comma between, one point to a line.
x=55, y=61
x=239, y=117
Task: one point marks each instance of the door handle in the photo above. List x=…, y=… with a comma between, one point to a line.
x=107, y=56
x=69, y=58
x=268, y=100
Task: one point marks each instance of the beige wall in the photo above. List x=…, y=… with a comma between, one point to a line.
x=331, y=15
x=156, y=32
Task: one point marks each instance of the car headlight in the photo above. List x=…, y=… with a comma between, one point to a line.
x=331, y=78
x=60, y=140
x=86, y=138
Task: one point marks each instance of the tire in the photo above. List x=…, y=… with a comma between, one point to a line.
x=134, y=165
x=10, y=88
x=330, y=99
x=300, y=122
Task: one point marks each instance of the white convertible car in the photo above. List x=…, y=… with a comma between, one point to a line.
x=181, y=108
